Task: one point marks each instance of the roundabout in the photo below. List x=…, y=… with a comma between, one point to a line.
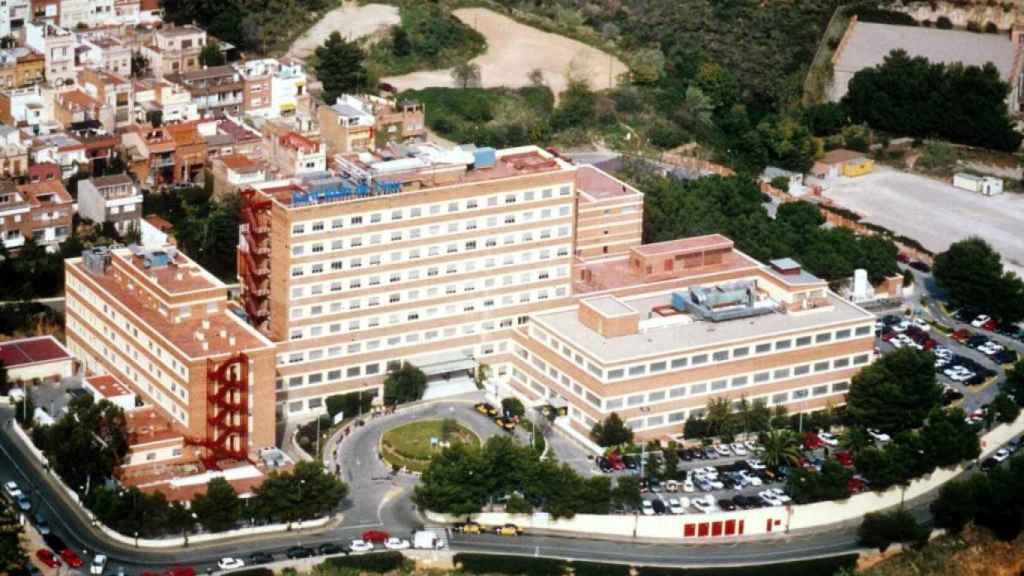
x=411, y=446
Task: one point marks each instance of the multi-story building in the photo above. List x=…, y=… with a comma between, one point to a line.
x=106, y=53
x=50, y=210
x=85, y=13
x=170, y=102
x=161, y=326
x=175, y=50
x=30, y=107
x=13, y=153
x=233, y=172
x=114, y=91
x=57, y=46
x=288, y=88
x=216, y=90
x=20, y=66
x=295, y=154
x=449, y=259
x=358, y=123
x=115, y=199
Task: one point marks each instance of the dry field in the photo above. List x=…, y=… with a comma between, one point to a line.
x=351, y=20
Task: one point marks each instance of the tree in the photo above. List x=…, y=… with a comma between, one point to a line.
x=626, y=494
x=211, y=55
x=400, y=44
x=781, y=447
x=958, y=502
x=406, y=384
x=647, y=65
x=576, y=107
x=880, y=529
x=140, y=65
x=340, y=65
x=219, y=508
x=12, y=556
x=971, y=272
x=611, y=432
x=351, y=404
x=306, y=492
x=719, y=412
x=536, y=77
x=24, y=410
x=895, y=393
x=1005, y=408
x=856, y=439
x=453, y=483
x=879, y=467
x=830, y=483
x=466, y=75
x=670, y=464
x=4, y=384
x=512, y=407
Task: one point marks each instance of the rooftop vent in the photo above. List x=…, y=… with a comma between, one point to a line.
x=156, y=259
x=96, y=260
x=722, y=302
x=786, y=266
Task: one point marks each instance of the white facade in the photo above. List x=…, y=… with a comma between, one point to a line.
x=984, y=185
x=287, y=86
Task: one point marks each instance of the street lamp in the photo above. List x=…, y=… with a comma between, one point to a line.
x=136, y=538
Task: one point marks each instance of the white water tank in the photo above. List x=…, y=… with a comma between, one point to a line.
x=860, y=284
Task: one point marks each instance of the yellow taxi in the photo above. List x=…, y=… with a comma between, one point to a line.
x=508, y=530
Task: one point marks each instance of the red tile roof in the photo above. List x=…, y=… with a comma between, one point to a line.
x=28, y=351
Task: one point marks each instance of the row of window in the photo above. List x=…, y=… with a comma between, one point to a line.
x=694, y=360
x=466, y=266
x=433, y=230
x=436, y=250
x=449, y=207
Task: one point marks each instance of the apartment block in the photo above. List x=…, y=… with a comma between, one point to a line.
x=359, y=123
x=41, y=211
x=115, y=199
x=57, y=46
x=294, y=154
x=162, y=328
x=216, y=90
x=170, y=102
x=609, y=215
x=13, y=153
x=20, y=66
x=113, y=91
x=174, y=50
x=106, y=53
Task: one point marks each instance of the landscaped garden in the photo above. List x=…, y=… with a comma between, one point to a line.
x=413, y=445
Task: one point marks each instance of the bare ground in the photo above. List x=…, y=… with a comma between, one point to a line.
x=351, y=20
x=514, y=50
x=935, y=213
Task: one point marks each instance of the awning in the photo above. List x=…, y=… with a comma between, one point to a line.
x=287, y=107
x=444, y=363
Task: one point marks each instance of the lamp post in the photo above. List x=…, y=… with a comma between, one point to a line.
x=136, y=538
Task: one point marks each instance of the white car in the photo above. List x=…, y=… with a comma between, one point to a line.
x=739, y=449
x=705, y=504
x=688, y=485
x=224, y=564
x=1001, y=454
x=723, y=450
x=360, y=546
x=647, y=508
x=751, y=446
x=780, y=494
x=396, y=544
x=878, y=435
x=769, y=498
x=922, y=324
x=99, y=564
x=677, y=507
x=828, y=439
x=756, y=464
x=12, y=490
x=980, y=321
x=749, y=479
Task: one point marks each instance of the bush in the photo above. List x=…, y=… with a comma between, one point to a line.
x=880, y=529
x=991, y=28
x=350, y=404
x=943, y=23
x=492, y=564
x=378, y=562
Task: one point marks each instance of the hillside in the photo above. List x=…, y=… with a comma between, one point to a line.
x=973, y=553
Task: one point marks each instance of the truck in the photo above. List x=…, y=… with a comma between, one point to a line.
x=428, y=540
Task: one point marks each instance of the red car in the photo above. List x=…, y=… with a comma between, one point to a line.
x=990, y=325
x=856, y=485
x=376, y=536
x=180, y=571
x=70, y=558
x=961, y=334
x=615, y=459
x=812, y=442
x=46, y=556
x=844, y=458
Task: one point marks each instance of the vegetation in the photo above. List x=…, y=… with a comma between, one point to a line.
x=12, y=556
x=428, y=37
x=612, y=431
x=513, y=407
x=340, y=66
x=994, y=500
x=211, y=55
x=533, y=566
x=971, y=273
x=404, y=384
x=132, y=512
x=219, y=508
x=306, y=492
x=377, y=563
x=462, y=479
x=912, y=96
x=206, y=229
x=351, y=404
x=973, y=552
x=413, y=445
x=880, y=529
x=894, y=394
x=830, y=483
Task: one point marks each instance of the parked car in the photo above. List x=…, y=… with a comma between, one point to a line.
x=47, y=557
x=722, y=450
x=647, y=508
x=1001, y=455
x=260, y=558
x=630, y=462
x=604, y=465
x=394, y=543
x=676, y=506
x=70, y=558
x=828, y=438
x=329, y=549
x=299, y=552
x=505, y=423
x=726, y=504
x=41, y=524
x=230, y=563
x=739, y=449
x=468, y=528
x=11, y=489
x=486, y=409
x=508, y=530
x=704, y=504
x=375, y=536
x=359, y=546
x=980, y=320
x=878, y=435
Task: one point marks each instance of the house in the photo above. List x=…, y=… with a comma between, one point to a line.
x=21, y=66
x=58, y=48
x=216, y=90
x=30, y=107
x=190, y=152
x=85, y=13
x=115, y=199
x=288, y=88
x=77, y=107
x=866, y=44
x=174, y=50
x=358, y=123
x=42, y=357
x=834, y=163
x=149, y=153
x=294, y=154
x=13, y=153
x=50, y=209
x=234, y=172
x=158, y=101
x=794, y=180
x=107, y=54
x=112, y=91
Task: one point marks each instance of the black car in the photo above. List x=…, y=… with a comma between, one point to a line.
x=659, y=506
x=55, y=543
x=989, y=463
x=727, y=504
x=330, y=549
x=745, y=502
x=630, y=462
x=604, y=465
x=920, y=266
x=300, y=552
x=260, y=558
x=684, y=454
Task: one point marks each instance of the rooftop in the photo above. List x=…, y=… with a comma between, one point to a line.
x=599, y=185
x=840, y=155
x=107, y=386
x=28, y=351
x=115, y=180
x=609, y=306
x=240, y=163
x=147, y=424
x=680, y=336
x=685, y=245
x=615, y=273
x=868, y=43
x=46, y=192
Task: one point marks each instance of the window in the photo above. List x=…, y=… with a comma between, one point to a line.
x=843, y=334
x=803, y=341
x=840, y=386
x=740, y=352
x=823, y=337
x=800, y=394
x=841, y=363
x=720, y=356
x=762, y=348
x=719, y=385
x=656, y=396
x=801, y=370
x=699, y=388
x=615, y=374
x=820, y=390
x=762, y=377
x=783, y=344
x=699, y=359
x=679, y=362
x=637, y=370
x=781, y=373
x=739, y=381
x=780, y=398
x=860, y=359
x=863, y=330
x=677, y=392
x=821, y=366
x=635, y=400
x=658, y=367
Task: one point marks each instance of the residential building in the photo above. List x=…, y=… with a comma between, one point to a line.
x=450, y=259
x=115, y=199
x=216, y=90
x=51, y=209
x=13, y=153
x=58, y=48
x=234, y=172
x=288, y=88
x=106, y=53
x=295, y=154
x=112, y=91
x=866, y=44
x=190, y=155
x=174, y=50
x=257, y=93
x=85, y=13
x=149, y=153
x=358, y=123
x=15, y=220
x=20, y=67
x=75, y=107
x=162, y=327
x=60, y=148
x=168, y=102
x=30, y=107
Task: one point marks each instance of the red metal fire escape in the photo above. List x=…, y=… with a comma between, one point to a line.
x=227, y=411
x=254, y=258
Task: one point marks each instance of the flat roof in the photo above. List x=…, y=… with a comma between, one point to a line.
x=147, y=425
x=675, y=338
x=107, y=386
x=616, y=273
x=609, y=306
x=693, y=244
x=29, y=351
x=599, y=185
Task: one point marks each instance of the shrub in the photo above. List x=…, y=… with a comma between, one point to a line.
x=379, y=563
x=943, y=23
x=991, y=28
x=253, y=572
x=880, y=529
x=488, y=564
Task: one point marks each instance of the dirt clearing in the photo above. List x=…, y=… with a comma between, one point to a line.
x=351, y=20
x=514, y=49
x=935, y=213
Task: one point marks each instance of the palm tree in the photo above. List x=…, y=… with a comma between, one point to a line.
x=781, y=447
x=855, y=440
x=718, y=412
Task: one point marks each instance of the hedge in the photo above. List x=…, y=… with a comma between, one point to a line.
x=379, y=562
x=531, y=566
x=253, y=572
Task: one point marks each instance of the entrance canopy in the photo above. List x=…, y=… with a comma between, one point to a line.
x=444, y=363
